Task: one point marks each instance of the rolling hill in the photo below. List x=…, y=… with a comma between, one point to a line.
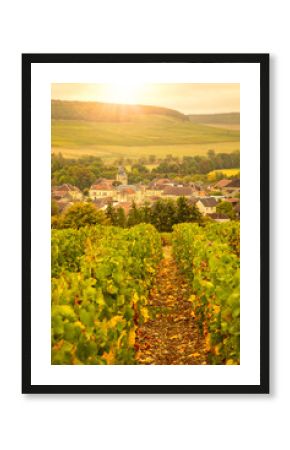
x=108, y=112
x=110, y=131
x=228, y=121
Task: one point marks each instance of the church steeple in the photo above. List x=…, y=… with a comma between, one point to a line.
x=122, y=176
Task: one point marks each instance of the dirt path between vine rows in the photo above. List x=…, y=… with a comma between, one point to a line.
x=170, y=336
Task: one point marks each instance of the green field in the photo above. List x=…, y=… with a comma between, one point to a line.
x=110, y=152
x=156, y=134
x=229, y=121
x=225, y=172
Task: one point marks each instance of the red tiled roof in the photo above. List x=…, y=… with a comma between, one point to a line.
x=125, y=191
x=222, y=183
x=65, y=188
x=234, y=183
x=208, y=202
x=177, y=191
x=103, y=184
x=231, y=200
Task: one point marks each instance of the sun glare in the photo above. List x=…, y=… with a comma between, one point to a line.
x=128, y=93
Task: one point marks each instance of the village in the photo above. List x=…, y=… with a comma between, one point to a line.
x=118, y=193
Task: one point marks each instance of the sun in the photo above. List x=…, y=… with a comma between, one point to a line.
x=128, y=93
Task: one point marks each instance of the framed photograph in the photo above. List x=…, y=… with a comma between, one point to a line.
x=145, y=246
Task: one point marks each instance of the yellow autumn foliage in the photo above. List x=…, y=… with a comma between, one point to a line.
x=216, y=309
x=109, y=357
x=131, y=338
x=113, y=322
x=145, y=314
x=207, y=343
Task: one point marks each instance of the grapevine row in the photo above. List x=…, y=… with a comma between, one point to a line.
x=100, y=279
x=209, y=258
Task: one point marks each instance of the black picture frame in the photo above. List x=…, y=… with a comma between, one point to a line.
x=263, y=61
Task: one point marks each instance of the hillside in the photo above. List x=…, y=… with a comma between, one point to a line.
x=107, y=112
x=110, y=131
x=229, y=121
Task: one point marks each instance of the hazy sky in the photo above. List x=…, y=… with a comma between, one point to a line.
x=186, y=98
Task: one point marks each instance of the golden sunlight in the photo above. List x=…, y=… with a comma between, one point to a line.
x=187, y=98
x=128, y=93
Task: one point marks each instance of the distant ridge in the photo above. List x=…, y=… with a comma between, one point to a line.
x=107, y=112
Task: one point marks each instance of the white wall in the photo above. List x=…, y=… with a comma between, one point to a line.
x=170, y=422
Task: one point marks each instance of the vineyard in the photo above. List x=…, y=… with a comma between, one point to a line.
x=117, y=298
x=100, y=280
x=209, y=258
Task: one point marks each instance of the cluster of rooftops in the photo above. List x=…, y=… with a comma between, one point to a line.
x=121, y=194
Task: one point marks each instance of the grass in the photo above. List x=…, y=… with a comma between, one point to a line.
x=228, y=121
x=152, y=130
x=110, y=153
x=156, y=135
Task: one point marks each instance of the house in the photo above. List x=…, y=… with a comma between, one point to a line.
x=176, y=191
x=161, y=183
x=199, y=190
x=206, y=205
x=232, y=188
x=122, y=176
x=234, y=184
x=152, y=191
x=66, y=191
x=221, y=184
x=129, y=193
x=219, y=217
x=102, y=188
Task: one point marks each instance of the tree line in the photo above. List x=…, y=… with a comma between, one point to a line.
x=163, y=214
x=83, y=172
